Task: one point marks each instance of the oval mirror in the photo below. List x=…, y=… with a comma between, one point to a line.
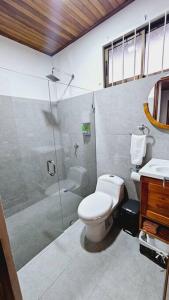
x=157, y=107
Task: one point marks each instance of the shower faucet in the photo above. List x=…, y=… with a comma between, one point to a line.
x=76, y=146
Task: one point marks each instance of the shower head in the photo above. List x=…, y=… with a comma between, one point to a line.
x=52, y=77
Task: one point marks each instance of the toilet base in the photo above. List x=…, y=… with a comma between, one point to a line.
x=97, y=232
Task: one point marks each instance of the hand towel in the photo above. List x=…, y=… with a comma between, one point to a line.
x=138, y=149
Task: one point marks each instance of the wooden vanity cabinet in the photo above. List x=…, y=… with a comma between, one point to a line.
x=155, y=205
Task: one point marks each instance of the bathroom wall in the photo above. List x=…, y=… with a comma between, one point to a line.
x=26, y=135
x=23, y=60
x=119, y=112
x=70, y=112
x=84, y=57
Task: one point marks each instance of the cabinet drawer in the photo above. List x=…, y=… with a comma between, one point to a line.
x=155, y=200
x=158, y=199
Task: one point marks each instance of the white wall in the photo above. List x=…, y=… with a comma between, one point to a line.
x=23, y=59
x=84, y=57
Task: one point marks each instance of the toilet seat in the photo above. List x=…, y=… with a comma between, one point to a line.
x=95, y=206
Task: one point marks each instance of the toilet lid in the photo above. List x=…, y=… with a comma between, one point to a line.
x=95, y=205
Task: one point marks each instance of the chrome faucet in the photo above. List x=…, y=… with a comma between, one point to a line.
x=76, y=146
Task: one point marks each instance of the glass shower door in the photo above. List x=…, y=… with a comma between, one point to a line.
x=33, y=213
x=77, y=174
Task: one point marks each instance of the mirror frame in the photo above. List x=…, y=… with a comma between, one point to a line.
x=152, y=120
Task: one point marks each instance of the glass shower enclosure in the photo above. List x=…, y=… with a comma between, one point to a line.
x=47, y=166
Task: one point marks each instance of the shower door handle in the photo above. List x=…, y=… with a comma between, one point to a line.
x=49, y=163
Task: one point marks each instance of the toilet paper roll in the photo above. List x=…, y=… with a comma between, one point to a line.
x=135, y=176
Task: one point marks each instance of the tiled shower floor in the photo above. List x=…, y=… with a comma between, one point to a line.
x=33, y=228
x=71, y=268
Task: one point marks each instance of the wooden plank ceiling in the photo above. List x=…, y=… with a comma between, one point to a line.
x=50, y=25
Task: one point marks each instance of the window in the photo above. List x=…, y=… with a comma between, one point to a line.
x=116, y=71
x=137, y=54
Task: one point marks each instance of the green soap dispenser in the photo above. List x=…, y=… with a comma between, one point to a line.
x=85, y=123
x=86, y=128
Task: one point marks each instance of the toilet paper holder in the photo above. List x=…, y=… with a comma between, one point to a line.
x=136, y=169
x=135, y=175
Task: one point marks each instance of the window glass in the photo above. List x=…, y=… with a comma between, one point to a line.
x=155, y=51
x=140, y=44
x=129, y=49
x=129, y=58
x=117, y=62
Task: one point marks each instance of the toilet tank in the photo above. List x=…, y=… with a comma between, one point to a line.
x=111, y=185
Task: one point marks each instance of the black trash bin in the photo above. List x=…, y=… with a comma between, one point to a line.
x=129, y=217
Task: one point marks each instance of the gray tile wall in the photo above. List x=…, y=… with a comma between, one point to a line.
x=70, y=119
x=26, y=143
x=119, y=111
x=27, y=140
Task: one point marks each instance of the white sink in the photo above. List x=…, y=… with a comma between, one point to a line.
x=156, y=168
x=164, y=170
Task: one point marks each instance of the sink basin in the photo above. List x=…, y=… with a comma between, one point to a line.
x=164, y=170
x=156, y=168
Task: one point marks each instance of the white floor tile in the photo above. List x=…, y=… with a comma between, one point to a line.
x=99, y=294
x=38, y=274
x=65, y=270
x=65, y=288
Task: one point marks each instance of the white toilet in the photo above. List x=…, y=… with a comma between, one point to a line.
x=96, y=210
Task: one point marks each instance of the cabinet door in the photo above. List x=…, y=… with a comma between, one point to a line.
x=155, y=200
x=9, y=284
